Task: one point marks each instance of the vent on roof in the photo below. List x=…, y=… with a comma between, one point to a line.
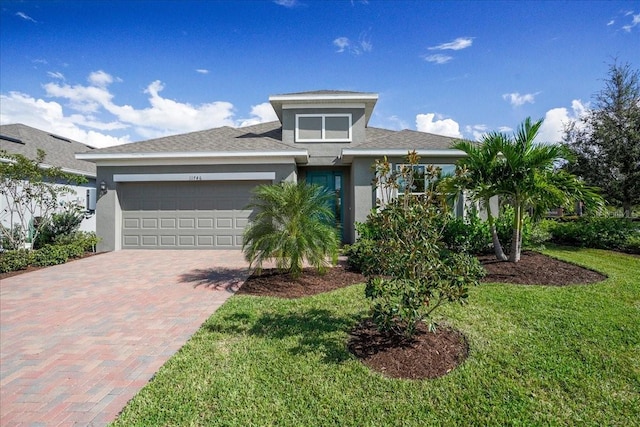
x=11, y=139
x=59, y=137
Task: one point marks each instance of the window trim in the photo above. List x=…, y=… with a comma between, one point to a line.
x=323, y=130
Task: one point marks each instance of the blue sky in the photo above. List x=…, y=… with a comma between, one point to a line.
x=110, y=72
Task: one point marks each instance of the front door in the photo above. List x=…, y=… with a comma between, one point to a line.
x=332, y=182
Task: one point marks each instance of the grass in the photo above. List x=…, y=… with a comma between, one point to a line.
x=539, y=356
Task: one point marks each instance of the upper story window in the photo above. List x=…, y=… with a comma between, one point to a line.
x=323, y=127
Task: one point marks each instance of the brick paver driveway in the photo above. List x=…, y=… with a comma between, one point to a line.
x=78, y=340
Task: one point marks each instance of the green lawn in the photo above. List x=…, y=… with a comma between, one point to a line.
x=539, y=356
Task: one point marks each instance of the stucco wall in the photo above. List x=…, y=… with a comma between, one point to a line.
x=324, y=153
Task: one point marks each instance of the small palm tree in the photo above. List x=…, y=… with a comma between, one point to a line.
x=293, y=223
x=526, y=176
x=477, y=175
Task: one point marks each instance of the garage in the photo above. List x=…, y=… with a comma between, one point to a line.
x=185, y=215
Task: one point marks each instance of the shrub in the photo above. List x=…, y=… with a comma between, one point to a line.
x=470, y=234
x=597, y=232
x=361, y=255
x=60, y=225
x=50, y=255
x=14, y=260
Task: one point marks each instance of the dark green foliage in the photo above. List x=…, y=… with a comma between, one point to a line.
x=50, y=255
x=293, y=224
x=66, y=247
x=14, y=260
x=606, y=141
x=598, y=233
x=470, y=234
x=411, y=273
x=60, y=224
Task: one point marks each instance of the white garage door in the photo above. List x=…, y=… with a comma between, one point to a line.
x=184, y=215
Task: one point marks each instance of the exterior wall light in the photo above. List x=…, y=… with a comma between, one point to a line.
x=103, y=188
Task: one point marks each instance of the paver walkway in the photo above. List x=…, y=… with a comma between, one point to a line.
x=78, y=340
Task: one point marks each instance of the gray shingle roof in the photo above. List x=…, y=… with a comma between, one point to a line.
x=404, y=139
x=262, y=137
x=59, y=151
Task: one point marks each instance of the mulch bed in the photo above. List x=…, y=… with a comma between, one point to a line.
x=537, y=269
x=427, y=355
x=274, y=284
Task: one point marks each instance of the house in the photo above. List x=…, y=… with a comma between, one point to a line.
x=60, y=152
x=190, y=191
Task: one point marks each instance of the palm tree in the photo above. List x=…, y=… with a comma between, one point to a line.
x=525, y=175
x=293, y=223
x=477, y=175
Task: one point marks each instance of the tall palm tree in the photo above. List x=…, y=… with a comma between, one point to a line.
x=293, y=223
x=525, y=175
x=477, y=175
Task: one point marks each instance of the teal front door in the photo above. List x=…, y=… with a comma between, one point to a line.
x=332, y=182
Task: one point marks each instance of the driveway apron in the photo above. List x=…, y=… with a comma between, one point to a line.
x=79, y=340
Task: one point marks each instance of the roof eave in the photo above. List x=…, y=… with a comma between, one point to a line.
x=300, y=156
x=348, y=154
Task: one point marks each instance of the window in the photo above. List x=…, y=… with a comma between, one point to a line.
x=420, y=180
x=323, y=127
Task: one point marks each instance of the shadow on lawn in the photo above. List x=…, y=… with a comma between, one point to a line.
x=229, y=279
x=315, y=330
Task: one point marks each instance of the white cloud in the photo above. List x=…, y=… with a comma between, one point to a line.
x=440, y=126
x=56, y=75
x=88, y=113
x=260, y=113
x=516, y=100
x=344, y=44
x=556, y=119
x=610, y=23
x=457, y=44
x=286, y=3
x=635, y=21
x=48, y=116
x=202, y=71
x=25, y=17
x=476, y=131
x=437, y=58
x=341, y=43
x=505, y=129
x=100, y=78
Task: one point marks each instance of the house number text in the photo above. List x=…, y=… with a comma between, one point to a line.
x=195, y=177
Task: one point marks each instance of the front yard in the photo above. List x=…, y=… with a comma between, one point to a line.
x=538, y=355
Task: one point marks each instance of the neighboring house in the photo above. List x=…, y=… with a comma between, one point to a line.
x=60, y=152
x=190, y=191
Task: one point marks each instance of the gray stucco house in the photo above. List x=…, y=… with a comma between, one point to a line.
x=189, y=191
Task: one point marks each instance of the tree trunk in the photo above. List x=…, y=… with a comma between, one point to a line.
x=497, y=246
x=626, y=208
x=516, y=240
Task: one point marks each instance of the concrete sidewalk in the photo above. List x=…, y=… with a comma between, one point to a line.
x=79, y=340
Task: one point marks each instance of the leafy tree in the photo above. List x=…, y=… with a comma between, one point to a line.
x=293, y=223
x=606, y=141
x=411, y=273
x=30, y=190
